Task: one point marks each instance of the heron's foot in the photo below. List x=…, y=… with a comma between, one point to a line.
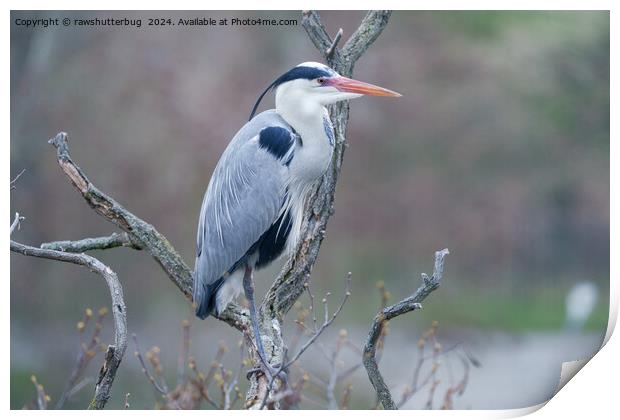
x=272, y=371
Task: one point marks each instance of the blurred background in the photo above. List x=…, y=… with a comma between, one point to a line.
x=498, y=150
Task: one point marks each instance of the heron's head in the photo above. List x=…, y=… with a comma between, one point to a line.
x=315, y=84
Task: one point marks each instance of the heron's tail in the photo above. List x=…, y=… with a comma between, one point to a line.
x=203, y=308
x=204, y=298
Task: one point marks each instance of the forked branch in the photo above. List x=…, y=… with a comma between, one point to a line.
x=429, y=284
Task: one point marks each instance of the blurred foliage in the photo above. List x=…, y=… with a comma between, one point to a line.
x=498, y=150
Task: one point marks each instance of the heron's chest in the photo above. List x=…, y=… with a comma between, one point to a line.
x=313, y=152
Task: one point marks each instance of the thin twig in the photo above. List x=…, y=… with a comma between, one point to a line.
x=312, y=306
x=183, y=354
x=88, y=244
x=16, y=178
x=233, y=384
x=346, y=396
x=328, y=321
x=162, y=389
x=86, y=354
x=42, y=397
x=332, y=403
x=326, y=324
x=329, y=53
x=79, y=386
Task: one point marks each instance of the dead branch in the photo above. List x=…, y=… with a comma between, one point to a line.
x=114, y=353
x=141, y=233
x=369, y=30
x=115, y=240
x=429, y=284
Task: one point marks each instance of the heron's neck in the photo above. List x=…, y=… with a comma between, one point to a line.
x=306, y=117
x=313, y=155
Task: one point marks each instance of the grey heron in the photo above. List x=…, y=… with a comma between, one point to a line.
x=252, y=210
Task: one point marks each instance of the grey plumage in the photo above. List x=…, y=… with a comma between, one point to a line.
x=244, y=198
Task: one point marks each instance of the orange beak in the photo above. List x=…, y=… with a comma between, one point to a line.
x=345, y=84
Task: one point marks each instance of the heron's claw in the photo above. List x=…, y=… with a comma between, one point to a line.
x=273, y=371
x=253, y=371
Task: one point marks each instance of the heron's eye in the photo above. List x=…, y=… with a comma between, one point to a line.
x=321, y=80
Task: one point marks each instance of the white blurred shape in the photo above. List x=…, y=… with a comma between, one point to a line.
x=580, y=302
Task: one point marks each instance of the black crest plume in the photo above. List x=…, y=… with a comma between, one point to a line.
x=299, y=72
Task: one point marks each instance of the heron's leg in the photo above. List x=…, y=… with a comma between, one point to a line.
x=248, y=289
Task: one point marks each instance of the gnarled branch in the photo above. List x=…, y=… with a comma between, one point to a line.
x=140, y=233
x=429, y=284
x=366, y=34
x=114, y=353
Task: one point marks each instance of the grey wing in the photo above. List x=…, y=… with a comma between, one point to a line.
x=244, y=198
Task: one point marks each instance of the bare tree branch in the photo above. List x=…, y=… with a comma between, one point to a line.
x=366, y=34
x=141, y=233
x=115, y=240
x=114, y=353
x=429, y=284
x=318, y=34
